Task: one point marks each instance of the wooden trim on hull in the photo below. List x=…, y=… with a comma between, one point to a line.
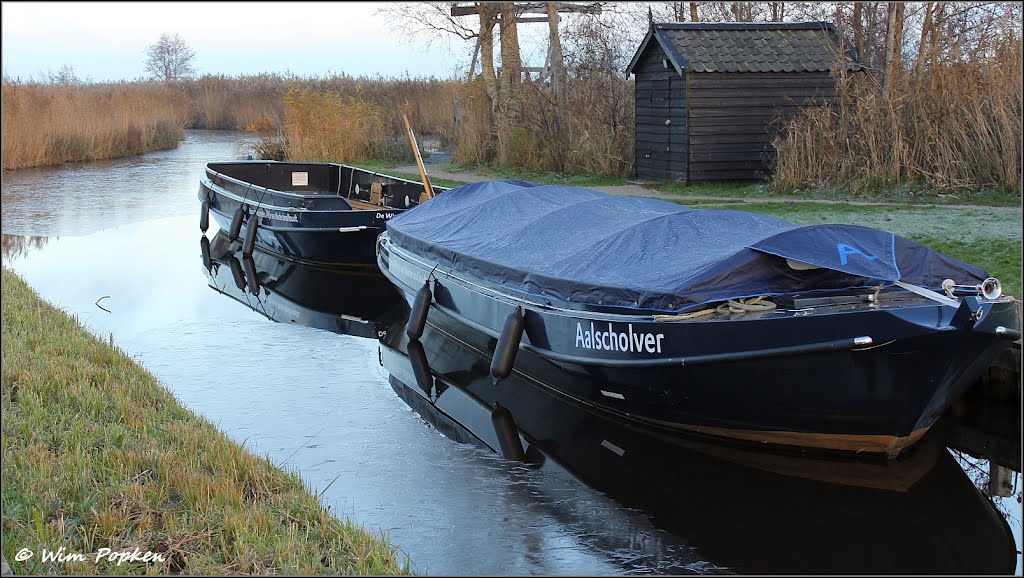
x=887, y=445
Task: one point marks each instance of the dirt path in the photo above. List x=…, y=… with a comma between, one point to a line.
x=636, y=190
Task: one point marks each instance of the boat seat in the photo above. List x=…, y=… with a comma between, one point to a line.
x=362, y=205
x=376, y=193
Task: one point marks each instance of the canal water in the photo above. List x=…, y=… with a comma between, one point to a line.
x=116, y=244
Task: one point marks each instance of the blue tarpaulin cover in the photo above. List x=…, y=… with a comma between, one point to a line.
x=582, y=246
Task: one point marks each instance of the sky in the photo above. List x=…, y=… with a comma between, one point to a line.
x=107, y=41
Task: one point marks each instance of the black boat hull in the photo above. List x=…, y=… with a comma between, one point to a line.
x=315, y=244
x=846, y=378
x=748, y=511
x=333, y=216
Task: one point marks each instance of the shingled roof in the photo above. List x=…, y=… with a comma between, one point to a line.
x=768, y=47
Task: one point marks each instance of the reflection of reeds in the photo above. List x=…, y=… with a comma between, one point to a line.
x=46, y=124
x=21, y=246
x=955, y=127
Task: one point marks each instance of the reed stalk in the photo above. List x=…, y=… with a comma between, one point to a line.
x=954, y=128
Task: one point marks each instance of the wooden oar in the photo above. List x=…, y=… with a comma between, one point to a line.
x=428, y=191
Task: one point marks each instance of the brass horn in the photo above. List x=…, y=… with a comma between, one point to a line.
x=990, y=288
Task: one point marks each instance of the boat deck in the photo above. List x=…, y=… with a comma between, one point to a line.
x=364, y=206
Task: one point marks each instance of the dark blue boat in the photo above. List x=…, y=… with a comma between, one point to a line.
x=730, y=509
x=313, y=212
x=718, y=322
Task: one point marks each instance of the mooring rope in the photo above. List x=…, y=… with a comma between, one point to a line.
x=747, y=305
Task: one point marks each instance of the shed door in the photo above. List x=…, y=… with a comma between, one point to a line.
x=661, y=128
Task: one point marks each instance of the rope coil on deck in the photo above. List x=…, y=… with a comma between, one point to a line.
x=748, y=305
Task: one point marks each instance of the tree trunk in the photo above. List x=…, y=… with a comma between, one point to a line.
x=511, y=63
x=693, y=12
x=893, y=46
x=472, y=64
x=678, y=14
x=558, y=77
x=487, y=17
x=858, y=32
x=938, y=15
x=922, y=49
x=742, y=11
x=557, y=58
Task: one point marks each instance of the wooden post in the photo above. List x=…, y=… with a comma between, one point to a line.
x=428, y=191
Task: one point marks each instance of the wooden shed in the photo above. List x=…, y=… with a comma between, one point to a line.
x=710, y=96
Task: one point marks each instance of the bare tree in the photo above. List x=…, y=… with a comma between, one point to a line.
x=858, y=31
x=511, y=61
x=558, y=75
x=170, y=58
x=893, y=46
x=488, y=18
x=427, y=23
x=557, y=58
x=926, y=33
x=65, y=76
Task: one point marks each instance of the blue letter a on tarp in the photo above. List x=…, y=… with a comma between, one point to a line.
x=845, y=250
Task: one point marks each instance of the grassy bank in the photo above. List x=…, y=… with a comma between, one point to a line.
x=986, y=238
x=96, y=454
x=545, y=177
x=755, y=191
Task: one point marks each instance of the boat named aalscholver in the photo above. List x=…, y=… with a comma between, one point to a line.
x=717, y=322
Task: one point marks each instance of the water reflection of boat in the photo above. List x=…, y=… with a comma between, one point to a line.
x=852, y=340
x=355, y=300
x=319, y=212
x=744, y=510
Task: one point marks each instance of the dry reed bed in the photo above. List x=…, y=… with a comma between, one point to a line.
x=594, y=136
x=222, y=102
x=47, y=124
x=331, y=127
x=957, y=127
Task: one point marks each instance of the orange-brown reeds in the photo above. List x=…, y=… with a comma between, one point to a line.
x=593, y=135
x=955, y=127
x=237, y=102
x=47, y=124
x=327, y=127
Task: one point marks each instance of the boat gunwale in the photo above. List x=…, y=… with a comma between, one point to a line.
x=217, y=189
x=289, y=194
x=279, y=163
